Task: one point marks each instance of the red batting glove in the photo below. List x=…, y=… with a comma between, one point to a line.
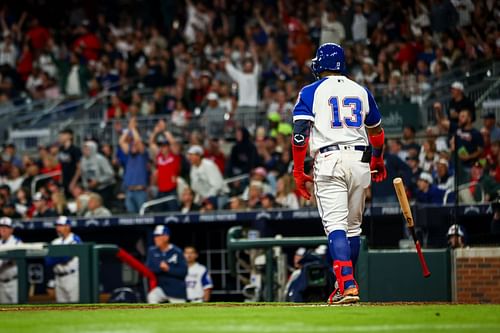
x=377, y=164
x=300, y=182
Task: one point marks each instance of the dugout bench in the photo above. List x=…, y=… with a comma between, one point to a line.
x=383, y=275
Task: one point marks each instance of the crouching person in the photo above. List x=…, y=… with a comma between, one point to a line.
x=167, y=262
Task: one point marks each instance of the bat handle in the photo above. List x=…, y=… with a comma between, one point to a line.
x=425, y=269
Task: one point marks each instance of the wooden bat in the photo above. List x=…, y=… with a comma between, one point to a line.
x=405, y=207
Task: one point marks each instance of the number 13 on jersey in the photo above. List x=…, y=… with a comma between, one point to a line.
x=355, y=104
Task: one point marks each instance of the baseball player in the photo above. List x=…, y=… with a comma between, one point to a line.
x=167, y=262
x=338, y=120
x=66, y=275
x=8, y=268
x=198, y=281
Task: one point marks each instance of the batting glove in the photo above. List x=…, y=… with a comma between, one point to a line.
x=377, y=164
x=301, y=180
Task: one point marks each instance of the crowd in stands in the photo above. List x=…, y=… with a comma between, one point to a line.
x=236, y=67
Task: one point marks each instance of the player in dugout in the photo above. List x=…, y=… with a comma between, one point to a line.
x=198, y=281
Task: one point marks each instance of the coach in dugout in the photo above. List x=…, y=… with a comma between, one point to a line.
x=167, y=262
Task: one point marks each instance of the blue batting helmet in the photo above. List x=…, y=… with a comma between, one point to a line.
x=329, y=57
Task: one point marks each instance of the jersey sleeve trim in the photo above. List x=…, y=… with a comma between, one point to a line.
x=303, y=117
x=373, y=126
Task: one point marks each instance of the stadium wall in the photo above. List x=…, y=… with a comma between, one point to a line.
x=476, y=275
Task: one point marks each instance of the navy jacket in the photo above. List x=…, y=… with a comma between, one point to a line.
x=172, y=282
x=432, y=196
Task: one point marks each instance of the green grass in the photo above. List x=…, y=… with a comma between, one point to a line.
x=254, y=319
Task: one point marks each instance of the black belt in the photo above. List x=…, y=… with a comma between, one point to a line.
x=337, y=147
x=65, y=273
x=8, y=280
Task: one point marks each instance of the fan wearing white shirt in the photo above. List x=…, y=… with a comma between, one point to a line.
x=198, y=281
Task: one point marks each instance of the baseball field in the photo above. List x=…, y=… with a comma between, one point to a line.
x=251, y=318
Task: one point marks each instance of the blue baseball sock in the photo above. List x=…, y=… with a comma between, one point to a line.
x=354, y=244
x=340, y=250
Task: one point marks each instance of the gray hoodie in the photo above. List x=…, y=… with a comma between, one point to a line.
x=97, y=167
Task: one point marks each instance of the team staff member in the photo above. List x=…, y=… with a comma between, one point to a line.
x=167, y=262
x=198, y=281
x=66, y=275
x=341, y=119
x=8, y=268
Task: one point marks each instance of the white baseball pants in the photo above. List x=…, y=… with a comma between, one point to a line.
x=68, y=288
x=340, y=181
x=157, y=295
x=8, y=292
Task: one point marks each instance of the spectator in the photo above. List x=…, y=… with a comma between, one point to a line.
x=480, y=182
x=117, y=109
x=255, y=191
x=268, y=201
x=167, y=262
x=468, y=143
x=187, y=201
x=490, y=123
x=359, y=25
x=22, y=201
x=213, y=117
x=206, y=179
x=247, y=81
x=15, y=179
x=458, y=103
x=236, y=203
x=415, y=169
x=69, y=156
x=75, y=78
x=332, y=31
x=135, y=178
x=9, y=210
x=9, y=154
x=95, y=207
x=444, y=180
x=285, y=195
x=427, y=192
x=97, y=173
x=42, y=209
x=243, y=156
x=213, y=152
x=208, y=205
x=168, y=164
x=51, y=165
x=199, y=284
x=408, y=141
x=59, y=204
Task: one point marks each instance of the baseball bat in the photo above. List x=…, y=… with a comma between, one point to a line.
x=405, y=207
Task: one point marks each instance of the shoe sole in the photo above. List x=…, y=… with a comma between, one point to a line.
x=350, y=299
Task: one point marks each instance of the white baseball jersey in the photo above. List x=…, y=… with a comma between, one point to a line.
x=197, y=280
x=340, y=110
x=8, y=274
x=7, y=270
x=66, y=273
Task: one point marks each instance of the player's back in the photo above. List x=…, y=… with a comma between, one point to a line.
x=340, y=109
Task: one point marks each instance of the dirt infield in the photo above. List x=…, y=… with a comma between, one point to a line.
x=86, y=307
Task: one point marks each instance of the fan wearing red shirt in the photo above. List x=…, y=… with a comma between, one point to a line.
x=168, y=165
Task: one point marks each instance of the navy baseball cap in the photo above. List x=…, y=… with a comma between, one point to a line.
x=63, y=220
x=6, y=222
x=161, y=230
